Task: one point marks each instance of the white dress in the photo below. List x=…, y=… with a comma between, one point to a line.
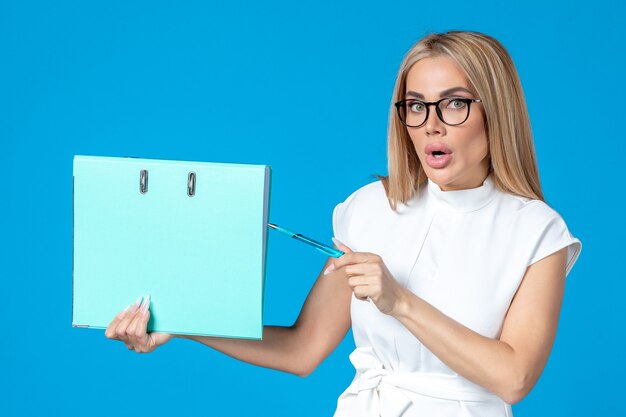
x=465, y=252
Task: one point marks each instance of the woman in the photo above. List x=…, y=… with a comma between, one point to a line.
x=455, y=266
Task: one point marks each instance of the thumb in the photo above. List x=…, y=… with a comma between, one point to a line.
x=161, y=338
x=341, y=246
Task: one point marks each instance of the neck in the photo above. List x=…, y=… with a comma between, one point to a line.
x=463, y=199
x=475, y=181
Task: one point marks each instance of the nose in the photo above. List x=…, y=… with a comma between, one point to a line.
x=434, y=125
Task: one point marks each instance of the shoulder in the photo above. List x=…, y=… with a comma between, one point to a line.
x=374, y=192
x=532, y=212
x=367, y=202
x=540, y=230
x=371, y=197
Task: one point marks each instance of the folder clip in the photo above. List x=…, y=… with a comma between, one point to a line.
x=191, y=184
x=143, y=181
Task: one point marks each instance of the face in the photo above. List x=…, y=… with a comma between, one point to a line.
x=467, y=164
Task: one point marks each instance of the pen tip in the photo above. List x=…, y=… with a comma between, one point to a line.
x=273, y=226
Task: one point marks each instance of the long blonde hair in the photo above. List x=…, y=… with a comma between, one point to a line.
x=490, y=70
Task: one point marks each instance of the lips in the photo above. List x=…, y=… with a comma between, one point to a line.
x=437, y=147
x=438, y=156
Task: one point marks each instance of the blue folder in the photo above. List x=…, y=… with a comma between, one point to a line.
x=190, y=234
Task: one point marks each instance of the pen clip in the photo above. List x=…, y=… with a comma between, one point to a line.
x=335, y=253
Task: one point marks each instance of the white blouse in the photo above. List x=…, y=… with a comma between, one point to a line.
x=465, y=252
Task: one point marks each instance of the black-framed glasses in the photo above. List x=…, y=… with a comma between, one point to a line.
x=451, y=110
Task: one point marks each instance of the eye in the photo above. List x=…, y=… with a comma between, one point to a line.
x=455, y=104
x=416, y=106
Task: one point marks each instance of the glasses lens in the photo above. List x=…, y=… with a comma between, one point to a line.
x=412, y=113
x=454, y=111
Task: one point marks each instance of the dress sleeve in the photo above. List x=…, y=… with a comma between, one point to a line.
x=552, y=235
x=342, y=215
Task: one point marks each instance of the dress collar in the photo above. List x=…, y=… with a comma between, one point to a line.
x=464, y=200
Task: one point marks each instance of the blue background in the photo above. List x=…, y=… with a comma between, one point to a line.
x=304, y=87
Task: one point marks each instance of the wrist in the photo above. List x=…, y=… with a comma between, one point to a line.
x=402, y=305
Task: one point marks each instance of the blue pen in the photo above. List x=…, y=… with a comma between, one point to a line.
x=335, y=253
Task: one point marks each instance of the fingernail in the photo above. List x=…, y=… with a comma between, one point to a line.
x=135, y=306
x=145, y=305
x=330, y=269
x=337, y=242
x=123, y=313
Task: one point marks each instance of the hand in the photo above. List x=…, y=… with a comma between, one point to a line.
x=369, y=279
x=130, y=326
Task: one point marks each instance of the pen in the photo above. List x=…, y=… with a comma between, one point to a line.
x=330, y=251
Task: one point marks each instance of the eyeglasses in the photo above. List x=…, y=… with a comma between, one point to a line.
x=451, y=110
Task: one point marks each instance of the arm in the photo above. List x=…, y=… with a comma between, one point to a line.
x=510, y=366
x=323, y=322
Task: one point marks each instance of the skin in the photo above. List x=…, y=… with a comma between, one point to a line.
x=468, y=141
x=509, y=367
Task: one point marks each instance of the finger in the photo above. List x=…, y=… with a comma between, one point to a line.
x=157, y=339
x=130, y=330
x=346, y=259
x=137, y=330
x=134, y=327
x=141, y=328
x=339, y=245
x=358, y=280
x=120, y=329
x=366, y=269
x=351, y=259
x=361, y=292
x=110, y=330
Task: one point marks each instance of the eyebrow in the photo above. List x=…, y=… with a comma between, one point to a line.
x=444, y=93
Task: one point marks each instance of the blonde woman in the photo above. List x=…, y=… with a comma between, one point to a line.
x=455, y=266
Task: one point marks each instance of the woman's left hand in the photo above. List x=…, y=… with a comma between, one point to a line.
x=369, y=278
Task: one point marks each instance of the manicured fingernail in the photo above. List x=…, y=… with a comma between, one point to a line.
x=145, y=305
x=123, y=312
x=337, y=242
x=330, y=269
x=135, y=306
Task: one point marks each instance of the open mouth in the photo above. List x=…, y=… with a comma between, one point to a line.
x=437, y=150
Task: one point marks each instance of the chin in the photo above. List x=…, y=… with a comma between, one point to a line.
x=446, y=179
x=441, y=176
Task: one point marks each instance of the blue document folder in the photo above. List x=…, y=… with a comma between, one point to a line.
x=190, y=234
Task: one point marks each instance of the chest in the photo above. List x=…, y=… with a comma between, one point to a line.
x=463, y=264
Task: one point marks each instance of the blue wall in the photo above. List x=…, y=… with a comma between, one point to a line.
x=304, y=87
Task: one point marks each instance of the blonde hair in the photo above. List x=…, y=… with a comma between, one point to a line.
x=490, y=70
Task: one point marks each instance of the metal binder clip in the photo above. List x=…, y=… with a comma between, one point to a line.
x=143, y=181
x=191, y=184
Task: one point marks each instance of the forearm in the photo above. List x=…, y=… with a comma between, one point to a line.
x=484, y=361
x=278, y=349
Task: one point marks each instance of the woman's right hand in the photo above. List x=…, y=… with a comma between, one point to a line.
x=130, y=326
